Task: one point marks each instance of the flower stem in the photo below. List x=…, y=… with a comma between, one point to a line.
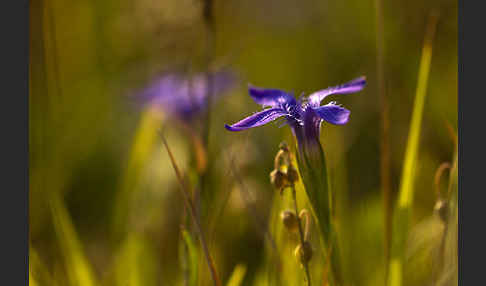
x=301, y=233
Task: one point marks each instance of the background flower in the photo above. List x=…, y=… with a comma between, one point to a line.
x=183, y=96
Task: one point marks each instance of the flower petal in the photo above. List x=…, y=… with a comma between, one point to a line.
x=334, y=114
x=270, y=97
x=350, y=87
x=257, y=119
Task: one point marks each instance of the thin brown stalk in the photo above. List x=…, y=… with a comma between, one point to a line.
x=301, y=233
x=192, y=211
x=207, y=13
x=438, y=175
x=54, y=49
x=385, y=127
x=257, y=218
x=208, y=17
x=251, y=208
x=452, y=134
x=219, y=210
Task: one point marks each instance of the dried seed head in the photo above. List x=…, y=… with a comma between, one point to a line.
x=441, y=208
x=278, y=179
x=283, y=146
x=303, y=252
x=292, y=174
x=289, y=220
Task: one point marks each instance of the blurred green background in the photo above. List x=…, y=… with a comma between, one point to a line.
x=104, y=203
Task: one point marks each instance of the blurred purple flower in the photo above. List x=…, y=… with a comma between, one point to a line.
x=185, y=97
x=304, y=115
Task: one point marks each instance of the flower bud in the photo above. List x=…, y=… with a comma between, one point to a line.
x=280, y=161
x=278, y=179
x=442, y=209
x=303, y=252
x=289, y=220
x=292, y=174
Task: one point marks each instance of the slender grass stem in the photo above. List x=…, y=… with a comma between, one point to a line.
x=209, y=23
x=192, y=211
x=438, y=175
x=259, y=221
x=385, y=131
x=301, y=234
x=207, y=13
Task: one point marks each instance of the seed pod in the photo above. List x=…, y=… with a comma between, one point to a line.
x=289, y=220
x=292, y=174
x=278, y=179
x=441, y=208
x=283, y=146
x=280, y=161
x=303, y=252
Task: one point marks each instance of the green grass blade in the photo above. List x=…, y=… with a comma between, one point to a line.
x=78, y=268
x=403, y=209
x=38, y=273
x=237, y=276
x=192, y=264
x=135, y=263
x=408, y=176
x=141, y=150
x=32, y=281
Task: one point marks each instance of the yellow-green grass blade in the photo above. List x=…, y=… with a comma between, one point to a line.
x=237, y=276
x=142, y=148
x=32, y=281
x=403, y=209
x=78, y=267
x=135, y=263
x=192, y=257
x=38, y=273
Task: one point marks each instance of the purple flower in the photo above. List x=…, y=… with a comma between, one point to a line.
x=185, y=97
x=304, y=115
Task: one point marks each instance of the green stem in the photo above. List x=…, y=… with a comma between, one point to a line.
x=313, y=171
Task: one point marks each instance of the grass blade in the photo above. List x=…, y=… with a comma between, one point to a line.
x=38, y=273
x=408, y=176
x=143, y=143
x=192, y=264
x=237, y=276
x=79, y=270
x=403, y=209
x=135, y=263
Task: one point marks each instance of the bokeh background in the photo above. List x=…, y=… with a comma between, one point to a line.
x=105, y=208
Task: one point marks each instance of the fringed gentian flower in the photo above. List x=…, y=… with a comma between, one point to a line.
x=184, y=97
x=305, y=117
